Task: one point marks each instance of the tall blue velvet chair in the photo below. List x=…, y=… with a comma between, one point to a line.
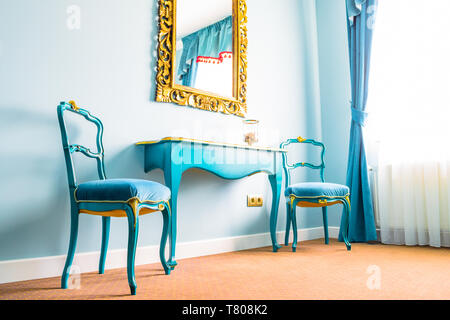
x=312, y=194
x=108, y=198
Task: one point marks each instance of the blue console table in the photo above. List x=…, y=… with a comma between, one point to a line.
x=228, y=161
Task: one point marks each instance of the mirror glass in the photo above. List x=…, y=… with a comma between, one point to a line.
x=204, y=45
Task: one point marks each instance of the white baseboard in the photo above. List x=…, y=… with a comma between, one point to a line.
x=47, y=267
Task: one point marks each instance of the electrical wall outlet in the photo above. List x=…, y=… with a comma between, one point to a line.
x=254, y=200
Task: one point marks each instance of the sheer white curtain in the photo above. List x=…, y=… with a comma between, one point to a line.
x=409, y=124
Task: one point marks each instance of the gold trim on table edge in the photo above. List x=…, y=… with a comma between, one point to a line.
x=243, y=146
x=168, y=91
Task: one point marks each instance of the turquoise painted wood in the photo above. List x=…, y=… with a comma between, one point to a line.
x=176, y=155
x=104, y=207
x=320, y=200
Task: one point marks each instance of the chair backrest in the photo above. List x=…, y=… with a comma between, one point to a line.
x=287, y=167
x=71, y=148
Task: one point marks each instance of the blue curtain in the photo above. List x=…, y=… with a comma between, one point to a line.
x=208, y=42
x=360, y=21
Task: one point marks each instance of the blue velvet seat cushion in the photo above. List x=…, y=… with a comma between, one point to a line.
x=122, y=190
x=317, y=189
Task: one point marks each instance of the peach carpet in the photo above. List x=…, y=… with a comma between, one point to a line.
x=315, y=271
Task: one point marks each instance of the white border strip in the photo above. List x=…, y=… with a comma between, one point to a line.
x=47, y=267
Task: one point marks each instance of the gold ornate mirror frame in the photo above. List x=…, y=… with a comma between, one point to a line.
x=168, y=91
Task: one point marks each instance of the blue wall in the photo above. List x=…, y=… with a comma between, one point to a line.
x=335, y=91
x=108, y=66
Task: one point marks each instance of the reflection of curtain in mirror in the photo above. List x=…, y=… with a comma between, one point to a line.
x=210, y=41
x=410, y=95
x=215, y=74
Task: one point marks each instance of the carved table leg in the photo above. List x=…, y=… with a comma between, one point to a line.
x=275, y=182
x=172, y=177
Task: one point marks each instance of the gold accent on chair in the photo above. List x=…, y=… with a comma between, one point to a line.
x=166, y=88
x=292, y=199
x=118, y=213
x=74, y=105
x=300, y=139
x=306, y=204
x=348, y=201
x=133, y=203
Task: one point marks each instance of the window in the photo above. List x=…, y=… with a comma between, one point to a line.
x=409, y=94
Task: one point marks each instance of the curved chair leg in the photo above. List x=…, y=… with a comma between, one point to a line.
x=133, y=228
x=288, y=224
x=346, y=216
x=164, y=236
x=72, y=247
x=325, y=224
x=106, y=221
x=294, y=226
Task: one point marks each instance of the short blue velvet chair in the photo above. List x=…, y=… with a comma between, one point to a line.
x=108, y=198
x=312, y=194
